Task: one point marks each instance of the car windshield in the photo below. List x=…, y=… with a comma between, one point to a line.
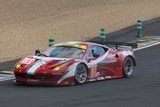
x=65, y=52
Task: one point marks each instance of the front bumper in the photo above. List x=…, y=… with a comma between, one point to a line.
x=43, y=79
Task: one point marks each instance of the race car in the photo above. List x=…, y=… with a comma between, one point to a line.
x=76, y=62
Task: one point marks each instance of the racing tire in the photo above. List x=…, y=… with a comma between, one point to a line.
x=81, y=74
x=128, y=67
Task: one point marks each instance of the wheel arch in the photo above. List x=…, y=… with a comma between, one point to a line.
x=134, y=61
x=84, y=65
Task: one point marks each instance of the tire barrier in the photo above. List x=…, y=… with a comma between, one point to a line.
x=139, y=28
x=51, y=41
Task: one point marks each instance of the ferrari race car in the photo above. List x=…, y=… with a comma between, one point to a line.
x=72, y=63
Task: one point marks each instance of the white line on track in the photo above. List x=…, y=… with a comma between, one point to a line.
x=140, y=48
x=147, y=46
x=6, y=79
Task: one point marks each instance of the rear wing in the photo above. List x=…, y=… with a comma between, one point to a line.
x=117, y=44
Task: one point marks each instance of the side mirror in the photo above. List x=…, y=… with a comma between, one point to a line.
x=37, y=52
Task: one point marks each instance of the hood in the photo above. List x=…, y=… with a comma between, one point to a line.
x=33, y=63
x=47, y=62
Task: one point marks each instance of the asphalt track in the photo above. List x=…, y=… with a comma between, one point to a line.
x=141, y=90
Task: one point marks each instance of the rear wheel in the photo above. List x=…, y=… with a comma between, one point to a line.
x=128, y=67
x=81, y=74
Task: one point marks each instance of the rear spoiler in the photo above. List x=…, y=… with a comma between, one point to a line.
x=132, y=45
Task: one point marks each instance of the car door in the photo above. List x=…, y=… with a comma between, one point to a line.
x=96, y=67
x=113, y=66
x=105, y=65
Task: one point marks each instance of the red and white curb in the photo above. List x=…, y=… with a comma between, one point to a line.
x=6, y=75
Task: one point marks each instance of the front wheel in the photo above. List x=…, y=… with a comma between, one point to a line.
x=81, y=74
x=128, y=67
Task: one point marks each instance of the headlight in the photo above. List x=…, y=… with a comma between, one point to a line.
x=18, y=65
x=59, y=67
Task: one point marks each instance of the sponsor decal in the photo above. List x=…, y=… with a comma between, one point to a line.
x=77, y=46
x=102, y=74
x=32, y=80
x=73, y=45
x=93, y=72
x=100, y=78
x=28, y=61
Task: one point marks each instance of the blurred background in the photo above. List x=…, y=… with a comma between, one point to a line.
x=26, y=25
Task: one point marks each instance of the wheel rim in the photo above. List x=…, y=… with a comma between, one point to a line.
x=129, y=67
x=81, y=74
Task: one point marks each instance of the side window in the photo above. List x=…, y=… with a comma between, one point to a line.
x=98, y=50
